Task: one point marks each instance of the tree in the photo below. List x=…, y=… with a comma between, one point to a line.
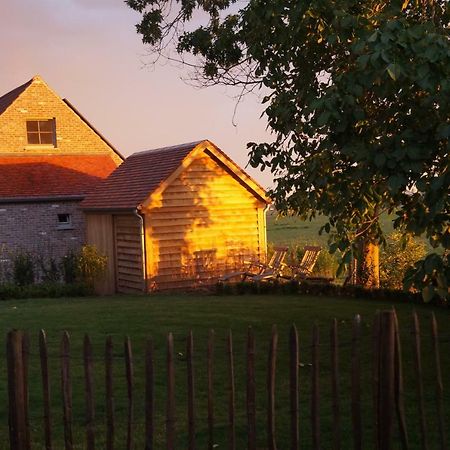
x=357, y=97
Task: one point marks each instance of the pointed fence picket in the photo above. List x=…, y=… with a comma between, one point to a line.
x=389, y=412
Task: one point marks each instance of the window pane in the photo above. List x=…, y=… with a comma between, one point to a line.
x=32, y=125
x=46, y=138
x=33, y=138
x=46, y=126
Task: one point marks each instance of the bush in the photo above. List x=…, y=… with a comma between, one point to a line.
x=90, y=264
x=397, y=257
x=44, y=290
x=23, y=269
x=69, y=267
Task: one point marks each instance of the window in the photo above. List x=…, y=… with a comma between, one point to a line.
x=41, y=132
x=65, y=221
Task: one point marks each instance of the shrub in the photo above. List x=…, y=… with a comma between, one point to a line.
x=44, y=290
x=90, y=264
x=397, y=257
x=69, y=267
x=23, y=269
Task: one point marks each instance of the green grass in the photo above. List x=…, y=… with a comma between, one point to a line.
x=287, y=230
x=157, y=315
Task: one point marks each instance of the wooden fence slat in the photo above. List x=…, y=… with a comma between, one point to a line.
x=25, y=358
x=376, y=333
x=109, y=394
x=356, y=384
x=231, y=395
x=149, y=396
x=16, y=409
x=439, y=384
x=66, y=387
x=129, y=373
x=43, y=356
x=170, y=410
x=271, y=371
x=191, y=391
x=210, y=377
x=293, y=387
x=399, y=403
x=387, y=375
x=251, y=391
x=89, y=392
x=334, y=342
x=419, y=381
x=315, y=394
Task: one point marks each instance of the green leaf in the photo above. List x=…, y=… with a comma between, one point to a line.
x=380, y=159
x=373, y=37
x=394, y=71
x=323, y=118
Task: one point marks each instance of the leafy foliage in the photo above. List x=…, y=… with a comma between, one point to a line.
x=91, y=264
x=398, y=255
x=23, y=269
x=357, y=98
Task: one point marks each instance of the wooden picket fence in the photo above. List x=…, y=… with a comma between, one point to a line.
x=387, y=386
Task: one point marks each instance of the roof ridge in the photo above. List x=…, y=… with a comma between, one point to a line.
x=168, y=148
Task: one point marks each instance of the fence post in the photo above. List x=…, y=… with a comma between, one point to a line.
x=386, y=389
x=17, y=419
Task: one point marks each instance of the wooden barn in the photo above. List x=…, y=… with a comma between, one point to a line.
x=175, y=217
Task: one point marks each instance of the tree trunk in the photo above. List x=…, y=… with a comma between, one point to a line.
x=368, y=265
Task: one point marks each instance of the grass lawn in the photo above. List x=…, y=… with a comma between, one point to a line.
x=155, y=316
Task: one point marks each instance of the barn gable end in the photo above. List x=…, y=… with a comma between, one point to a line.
x=204, y=217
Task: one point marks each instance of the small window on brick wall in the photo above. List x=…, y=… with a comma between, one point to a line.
x=41, y=132
x=65, y=221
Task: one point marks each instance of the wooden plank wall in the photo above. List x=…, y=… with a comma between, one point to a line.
x=99, y=232
x=128, y=255
x=205, y=224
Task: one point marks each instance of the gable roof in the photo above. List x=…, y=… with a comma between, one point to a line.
x=37, y=177
x=145, y=173
x=7, y=99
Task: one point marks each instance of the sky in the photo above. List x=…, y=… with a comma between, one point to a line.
x=88, y=51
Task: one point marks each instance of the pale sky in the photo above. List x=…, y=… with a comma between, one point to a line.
x=89, y=52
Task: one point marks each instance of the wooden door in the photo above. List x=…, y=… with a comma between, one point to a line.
x=129, y=267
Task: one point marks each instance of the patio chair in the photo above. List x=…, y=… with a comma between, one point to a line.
x=304, y=270
x=260, y=269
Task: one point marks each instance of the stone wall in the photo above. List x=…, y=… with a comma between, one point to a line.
x=35, y=228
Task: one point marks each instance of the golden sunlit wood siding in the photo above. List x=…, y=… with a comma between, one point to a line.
x=128, y=247
x=99, y=232
x=204, y=223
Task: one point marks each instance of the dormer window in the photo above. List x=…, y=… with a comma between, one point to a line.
x=41, y=132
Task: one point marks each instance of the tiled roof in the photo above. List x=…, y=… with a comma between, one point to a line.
x=52, y=175
x=7, y=99
x=140, y=174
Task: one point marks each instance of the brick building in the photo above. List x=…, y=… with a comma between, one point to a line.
x=50, y=157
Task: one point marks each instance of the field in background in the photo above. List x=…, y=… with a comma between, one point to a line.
x=141, y=317
x=286, y=230
x=292, y=230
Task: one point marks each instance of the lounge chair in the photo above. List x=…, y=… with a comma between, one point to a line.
x=304, y=270
x=258, y=270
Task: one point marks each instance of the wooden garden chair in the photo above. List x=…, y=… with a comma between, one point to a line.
x=304, y=270
x=258, y=270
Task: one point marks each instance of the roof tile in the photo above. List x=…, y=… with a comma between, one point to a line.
x=52, y=175
x=140, y=174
